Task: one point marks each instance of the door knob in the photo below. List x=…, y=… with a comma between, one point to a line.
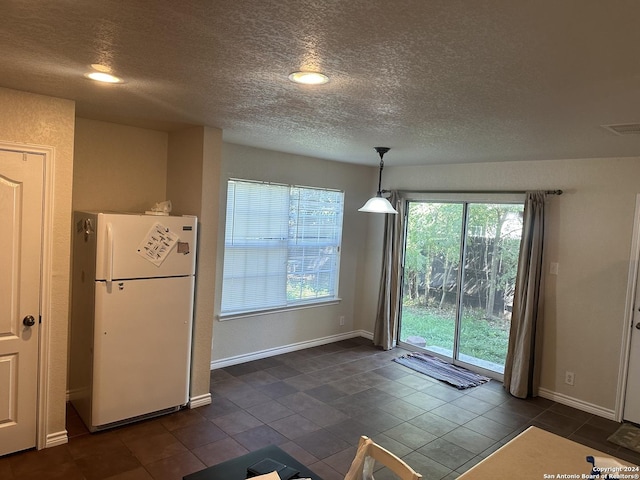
x=29, y=321
x=638, y=325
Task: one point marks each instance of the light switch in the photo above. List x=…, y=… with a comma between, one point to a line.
x=553, y=268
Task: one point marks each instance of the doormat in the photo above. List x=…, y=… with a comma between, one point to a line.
x=627, y=436
x=459, y=377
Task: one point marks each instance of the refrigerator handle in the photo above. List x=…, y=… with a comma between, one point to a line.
x=109, y=259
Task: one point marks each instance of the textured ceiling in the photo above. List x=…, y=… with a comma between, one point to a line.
x=437, y=81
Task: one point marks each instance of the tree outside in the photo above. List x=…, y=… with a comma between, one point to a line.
x=437, y=296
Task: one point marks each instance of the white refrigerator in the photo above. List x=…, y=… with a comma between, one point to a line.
x=131, y=315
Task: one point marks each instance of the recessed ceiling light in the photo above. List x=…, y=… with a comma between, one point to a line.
x=102, y=73
x=308, y=78
x=103, y=77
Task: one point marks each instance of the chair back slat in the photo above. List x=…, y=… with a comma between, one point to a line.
x=362, y=466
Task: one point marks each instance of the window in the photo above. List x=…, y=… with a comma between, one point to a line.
x=282, y=246
x=460, y=264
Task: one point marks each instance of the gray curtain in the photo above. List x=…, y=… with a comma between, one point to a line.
x=385, y=332
x=522, y=365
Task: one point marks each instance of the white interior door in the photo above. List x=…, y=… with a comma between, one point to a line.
x=21, y=196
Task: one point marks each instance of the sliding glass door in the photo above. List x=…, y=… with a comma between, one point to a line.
x=460, y=263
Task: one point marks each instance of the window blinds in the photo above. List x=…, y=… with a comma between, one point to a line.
x=282, y=246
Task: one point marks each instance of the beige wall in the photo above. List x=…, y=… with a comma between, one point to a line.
x=117, y=167
x=589, y=234
x=193, y=179
x=241, y=336
x=45, y=121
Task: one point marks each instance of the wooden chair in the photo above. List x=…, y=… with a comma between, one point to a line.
x=368, y=454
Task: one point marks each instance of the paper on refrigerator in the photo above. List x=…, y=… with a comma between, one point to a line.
x=157, y=244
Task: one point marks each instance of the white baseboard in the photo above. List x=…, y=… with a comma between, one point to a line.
x=271, y=352
x=365, y=334
x=55, y=439
x=576, y=403
x=200, y=400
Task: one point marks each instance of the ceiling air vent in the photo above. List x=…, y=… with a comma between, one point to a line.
x=624, y=128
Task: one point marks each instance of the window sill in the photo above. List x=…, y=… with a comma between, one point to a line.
x=232, y=316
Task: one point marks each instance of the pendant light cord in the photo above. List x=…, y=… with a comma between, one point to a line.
x=381, y=151
x=380, y=177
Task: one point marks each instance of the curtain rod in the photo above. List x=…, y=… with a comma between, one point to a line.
x=512, y=192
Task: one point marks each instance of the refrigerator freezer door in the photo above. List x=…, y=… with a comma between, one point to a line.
x=142, y=347
x=119, y=238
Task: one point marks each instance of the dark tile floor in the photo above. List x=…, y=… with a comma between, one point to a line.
x=315, y=404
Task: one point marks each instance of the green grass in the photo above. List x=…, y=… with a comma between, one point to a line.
x=480, y=338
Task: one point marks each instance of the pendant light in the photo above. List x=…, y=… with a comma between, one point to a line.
x=379, y=204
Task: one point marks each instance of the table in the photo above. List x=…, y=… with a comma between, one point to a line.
x=236, y=468
x=537, y=454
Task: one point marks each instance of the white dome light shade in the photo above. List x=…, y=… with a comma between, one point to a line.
x=377, y=205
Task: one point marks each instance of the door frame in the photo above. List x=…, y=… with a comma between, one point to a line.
x=630, y=302
x=42, y=439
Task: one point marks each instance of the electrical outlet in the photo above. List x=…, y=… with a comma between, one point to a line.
x=342, y=320
x=569, y=378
